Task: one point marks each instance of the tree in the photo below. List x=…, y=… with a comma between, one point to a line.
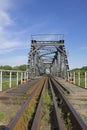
x=6, y=67
x=22, y=67
x=84, y=68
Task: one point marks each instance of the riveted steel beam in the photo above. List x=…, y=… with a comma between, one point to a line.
x=44, y=52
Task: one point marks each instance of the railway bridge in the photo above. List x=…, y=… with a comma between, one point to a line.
x=42, y=98
x=48, y=55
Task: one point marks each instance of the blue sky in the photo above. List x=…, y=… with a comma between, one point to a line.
x=21, y=18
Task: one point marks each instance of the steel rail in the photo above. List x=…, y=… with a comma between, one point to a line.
x=36, y=121
x=60, y=125
x=61, y=86
x=76, y=121
x=12, y=124
x=65, y=90
x=19, y=114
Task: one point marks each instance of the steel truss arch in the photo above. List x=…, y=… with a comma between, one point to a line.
x=48, y=56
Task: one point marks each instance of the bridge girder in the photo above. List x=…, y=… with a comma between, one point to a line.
x=44, y=53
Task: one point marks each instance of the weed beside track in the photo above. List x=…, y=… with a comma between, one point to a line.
x=46, y=110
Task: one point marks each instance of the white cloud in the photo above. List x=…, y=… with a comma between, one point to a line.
x=8, y=45
x=5, y=4
x=7, y=41
x=5, y=18
x=6, y=51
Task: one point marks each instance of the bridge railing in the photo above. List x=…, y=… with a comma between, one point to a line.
x=11, y=78
x=79, y=78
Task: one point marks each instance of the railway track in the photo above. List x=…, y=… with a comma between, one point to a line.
x=77, y=97
x=66, y=117
x=72, y=119
x=62, y=115
x=24, y=117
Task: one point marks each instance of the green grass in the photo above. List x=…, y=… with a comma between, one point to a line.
x=1, y=116
x=82, y=79
x=5, y=83
x=46, y=106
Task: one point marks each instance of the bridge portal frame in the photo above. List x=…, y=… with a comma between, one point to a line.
x=58, y=64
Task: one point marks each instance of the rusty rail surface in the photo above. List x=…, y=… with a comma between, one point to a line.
x=60, y=125
x=59, y=122
x=76, y=121
x=36, y=122
x=17, y=122
x=61, y=86
x=37, y=118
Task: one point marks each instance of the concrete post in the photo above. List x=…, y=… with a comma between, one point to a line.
x=27, y=76
x=0, y=80
x=24, y=75
x=10, y=78
x=74, y=78
x=85, y=80
x=21, y=77
x=78, y=78
x=17, y=78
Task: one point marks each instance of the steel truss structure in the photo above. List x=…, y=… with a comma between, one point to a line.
x=47, y=55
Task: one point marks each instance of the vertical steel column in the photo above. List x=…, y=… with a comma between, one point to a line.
x=59, y=59
x=10, y=78
x=55, y=66
x=0, y=80
x=59, y=63
x=68, y=76
x=85, y=79
x=34, y=60
x=17, y=78
x=62, y=63
x=53, y=69
x=55, y=62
